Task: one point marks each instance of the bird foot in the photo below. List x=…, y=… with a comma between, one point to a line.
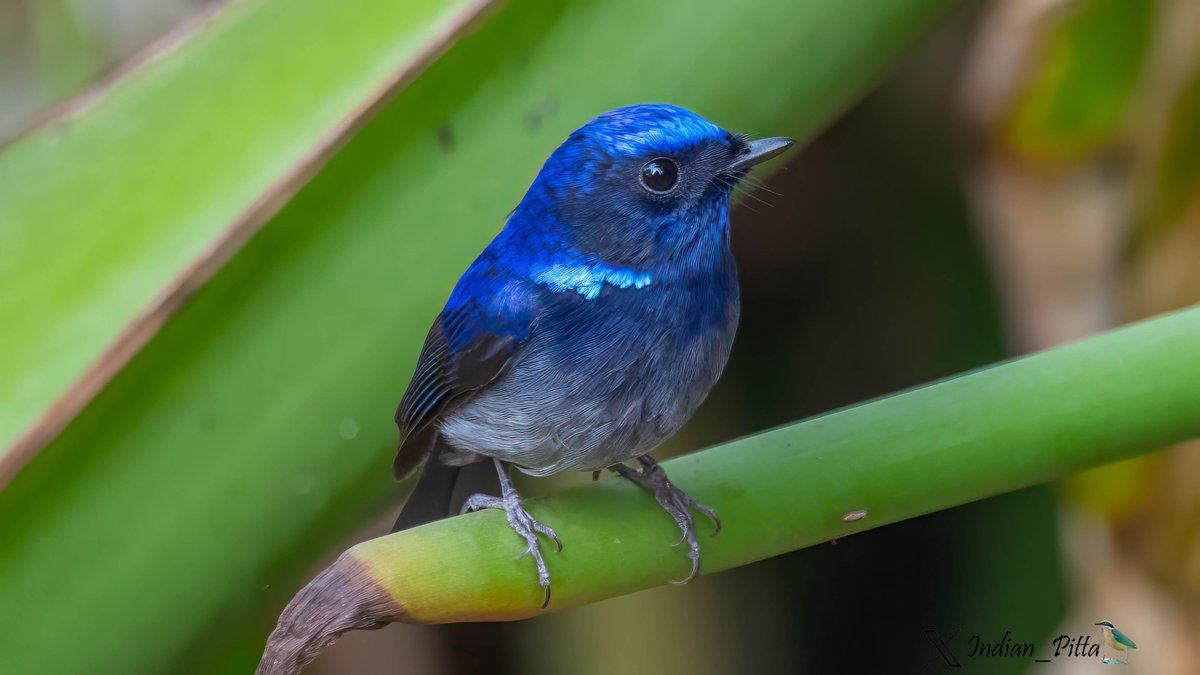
x=675, y=502
x=524, y=524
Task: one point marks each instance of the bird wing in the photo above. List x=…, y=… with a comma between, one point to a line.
x=471, y=344
x=1122, y=639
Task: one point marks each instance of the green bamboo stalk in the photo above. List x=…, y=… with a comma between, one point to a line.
x=1000, y=429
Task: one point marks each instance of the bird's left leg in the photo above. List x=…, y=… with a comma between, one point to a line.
x=674, y=501
x=520, y=521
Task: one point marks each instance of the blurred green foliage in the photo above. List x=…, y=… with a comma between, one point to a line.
x=1179, y=171
x=105, y=211
x=1079, y=88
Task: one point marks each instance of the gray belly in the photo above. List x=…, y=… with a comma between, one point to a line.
x=594, y=387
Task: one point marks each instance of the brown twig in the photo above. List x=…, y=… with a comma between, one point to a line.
x=339, y=599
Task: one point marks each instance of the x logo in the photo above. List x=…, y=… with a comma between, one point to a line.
x=942, y=647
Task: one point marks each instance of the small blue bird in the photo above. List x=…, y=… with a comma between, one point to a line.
x=593, y=325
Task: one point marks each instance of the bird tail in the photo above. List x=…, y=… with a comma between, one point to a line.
x=430, y=499
x=441, y=491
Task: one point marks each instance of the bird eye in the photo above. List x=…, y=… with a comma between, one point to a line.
x=660, y=175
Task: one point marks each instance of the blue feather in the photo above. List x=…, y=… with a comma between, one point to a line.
x=617, y=303
x=588, y=280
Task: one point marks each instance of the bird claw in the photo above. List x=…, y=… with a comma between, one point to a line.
x=677, y=503
x=694, y=556
x=548, y=531
x=481, y=502
x=523, y=523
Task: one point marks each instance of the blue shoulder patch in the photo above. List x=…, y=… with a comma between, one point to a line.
x=589, y=279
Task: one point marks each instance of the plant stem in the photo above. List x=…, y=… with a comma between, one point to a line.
x=1013, y=425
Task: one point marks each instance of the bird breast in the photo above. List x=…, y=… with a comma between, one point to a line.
x=604, y=378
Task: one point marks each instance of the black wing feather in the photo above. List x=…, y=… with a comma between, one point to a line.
x=446, y=377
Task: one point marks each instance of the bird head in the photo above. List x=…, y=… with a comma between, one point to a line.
x=1105, y=625
x=644, y=180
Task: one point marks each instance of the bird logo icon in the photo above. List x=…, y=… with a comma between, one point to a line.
x=1117, y=643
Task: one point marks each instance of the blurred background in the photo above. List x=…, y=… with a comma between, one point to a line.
x=1027, y=174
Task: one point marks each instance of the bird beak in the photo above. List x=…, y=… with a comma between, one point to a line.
x=757, y=152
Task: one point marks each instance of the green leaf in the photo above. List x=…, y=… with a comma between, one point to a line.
x=111, y=215
x=1178, y=175
x=256, y=428
x=1106, y=398
x=1077, y=95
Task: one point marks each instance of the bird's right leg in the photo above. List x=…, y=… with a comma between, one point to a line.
x=675, y=502
x=520, y=521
